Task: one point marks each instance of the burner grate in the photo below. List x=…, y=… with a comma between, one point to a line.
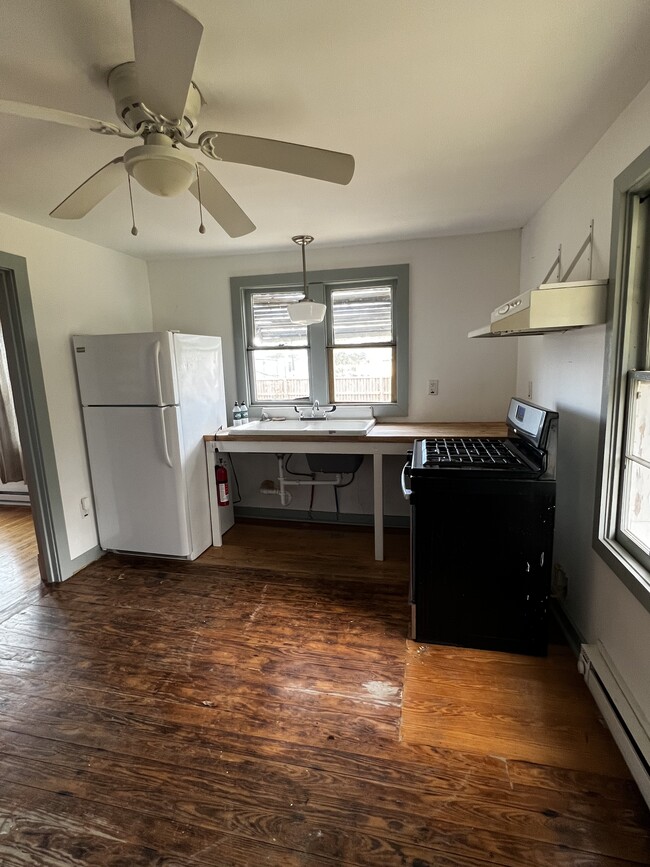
x=467, y=452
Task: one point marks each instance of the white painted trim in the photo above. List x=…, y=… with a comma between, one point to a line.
x=378, y=498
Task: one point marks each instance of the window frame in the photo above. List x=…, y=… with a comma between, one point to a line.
x=624, y=537
x=330, y=288
x=320, y=283
x=250, y=348
x=626, y=351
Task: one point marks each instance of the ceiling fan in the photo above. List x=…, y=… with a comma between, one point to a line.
x=157, y=101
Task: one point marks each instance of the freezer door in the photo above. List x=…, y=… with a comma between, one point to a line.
x=126, y=369
x=137, y=476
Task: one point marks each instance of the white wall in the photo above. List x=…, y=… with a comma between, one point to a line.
x=454, y=284
x=567, y=373
x=76, y=287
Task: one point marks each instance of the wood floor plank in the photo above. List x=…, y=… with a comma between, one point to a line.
x=247, y=707
x=522, y=713
x=335, y=819
x=87, y=832
x=452, y=774
x=20, y=579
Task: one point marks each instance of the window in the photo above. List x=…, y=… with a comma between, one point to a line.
x=357, y=356
x=623, y=522
x=634, y=518
x=361, y=350
x=278, y=350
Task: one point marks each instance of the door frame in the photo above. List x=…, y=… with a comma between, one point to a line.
x=26, y=375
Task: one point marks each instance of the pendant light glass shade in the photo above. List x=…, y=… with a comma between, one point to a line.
x=305, y=312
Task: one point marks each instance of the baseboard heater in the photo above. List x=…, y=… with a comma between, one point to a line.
x=624, y=718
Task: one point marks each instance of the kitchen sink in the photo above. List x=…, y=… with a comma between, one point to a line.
x=306, y=427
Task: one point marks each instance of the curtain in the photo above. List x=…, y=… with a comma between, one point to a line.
x=11, y=459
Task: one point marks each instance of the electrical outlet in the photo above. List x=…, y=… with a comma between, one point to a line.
x=433, y=386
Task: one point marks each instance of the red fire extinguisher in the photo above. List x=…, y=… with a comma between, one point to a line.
x=223, y=498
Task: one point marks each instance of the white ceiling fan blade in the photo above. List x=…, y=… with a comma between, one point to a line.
x=279, y=155
x=37, y=112
x=218, y=202
x=91, y=192
x=166, y=41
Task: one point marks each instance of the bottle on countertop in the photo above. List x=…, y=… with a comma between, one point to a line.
x=244, y=412
x=236, y=414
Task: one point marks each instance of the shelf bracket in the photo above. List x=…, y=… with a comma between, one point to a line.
x=588, y=243
x=557, y=264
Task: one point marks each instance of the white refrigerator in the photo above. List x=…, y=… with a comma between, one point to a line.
x=148, y=400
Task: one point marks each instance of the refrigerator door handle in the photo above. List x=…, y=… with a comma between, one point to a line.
x=156, y=352
x=168, y=459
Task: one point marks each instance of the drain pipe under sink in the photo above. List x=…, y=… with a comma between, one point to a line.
x=268, y=487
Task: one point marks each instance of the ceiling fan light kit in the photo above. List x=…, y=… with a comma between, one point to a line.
x=305, y=312
x=156, y=99
x=159, y=167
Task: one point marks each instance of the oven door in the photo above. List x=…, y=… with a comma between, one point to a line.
x=481, y=553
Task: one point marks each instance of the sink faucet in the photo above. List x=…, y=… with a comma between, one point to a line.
x=318, y=413
x=321, y=413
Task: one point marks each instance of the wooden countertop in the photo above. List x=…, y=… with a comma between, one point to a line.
x=391, y=433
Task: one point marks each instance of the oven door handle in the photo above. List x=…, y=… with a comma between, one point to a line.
x=405, y=472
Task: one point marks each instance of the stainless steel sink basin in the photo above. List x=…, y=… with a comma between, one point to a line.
x=307, y=427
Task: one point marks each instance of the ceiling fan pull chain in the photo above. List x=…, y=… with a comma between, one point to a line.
x=198, y=189
x=134, y=230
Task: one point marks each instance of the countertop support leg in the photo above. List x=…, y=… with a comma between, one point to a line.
x=378, y=491
x=221, y=517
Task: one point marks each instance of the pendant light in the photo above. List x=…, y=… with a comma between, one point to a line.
x=305, y=312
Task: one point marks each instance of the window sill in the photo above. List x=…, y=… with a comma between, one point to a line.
x=635, y=577
x=343, y=410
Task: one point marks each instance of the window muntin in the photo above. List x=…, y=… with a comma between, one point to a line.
x=278, y=350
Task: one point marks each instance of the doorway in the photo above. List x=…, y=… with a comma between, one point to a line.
x=13, y=487
x=38, y=457
x=19, y=567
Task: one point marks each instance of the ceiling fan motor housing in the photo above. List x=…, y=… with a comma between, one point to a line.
x=123, y=85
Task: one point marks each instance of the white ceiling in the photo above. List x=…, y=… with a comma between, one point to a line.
x=462, y=115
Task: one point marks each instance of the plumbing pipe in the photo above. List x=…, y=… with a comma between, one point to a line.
x=285, y=497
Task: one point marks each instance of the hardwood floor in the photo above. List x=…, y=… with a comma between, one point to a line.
x=20, y=578
x=262, y=706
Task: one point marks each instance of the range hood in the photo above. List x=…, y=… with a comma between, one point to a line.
x=549, y=307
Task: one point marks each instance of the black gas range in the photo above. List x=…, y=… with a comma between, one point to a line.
x=528, y=451
x=482, y=512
